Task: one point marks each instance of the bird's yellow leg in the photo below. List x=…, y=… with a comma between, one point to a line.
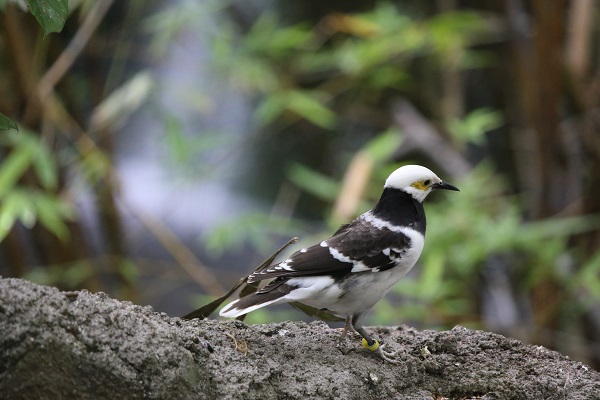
x=373, y=344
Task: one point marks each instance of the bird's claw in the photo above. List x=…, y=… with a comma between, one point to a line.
x=386, y=355
x=379, y=349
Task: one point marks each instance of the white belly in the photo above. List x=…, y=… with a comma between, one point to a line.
x=357, y=293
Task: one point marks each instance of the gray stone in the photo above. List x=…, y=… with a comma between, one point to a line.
x=79, y=345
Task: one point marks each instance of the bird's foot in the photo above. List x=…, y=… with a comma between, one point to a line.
x=342, y=344
x=387, y=355
x=381, y=351
x=348, y=330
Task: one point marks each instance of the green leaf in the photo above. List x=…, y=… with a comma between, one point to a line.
x=45, y=166
x=14, y=166
x=474, y=125
x=16, y=205
x=269, y=109
x=307, y=105
x=452, y=31
x=7, y=123
x=52, y=213
x=313, y=182
x=19, y=203
x=7, y=220
x=50, y=14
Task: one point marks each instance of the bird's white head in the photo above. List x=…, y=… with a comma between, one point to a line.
x=417, y=181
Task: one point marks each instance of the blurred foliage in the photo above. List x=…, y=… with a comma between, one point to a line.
x=307, y=72
x=318, y=72
x=51, y=15
x=473, y=126
x=26, y=204
x=254, y=228
x=70, y=275
x=63, y=151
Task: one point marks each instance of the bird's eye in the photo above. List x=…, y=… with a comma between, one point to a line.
x=427, y=182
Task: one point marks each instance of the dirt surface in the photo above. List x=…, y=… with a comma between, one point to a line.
x=78, y=345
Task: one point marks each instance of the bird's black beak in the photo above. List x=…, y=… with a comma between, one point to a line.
x=445, y=185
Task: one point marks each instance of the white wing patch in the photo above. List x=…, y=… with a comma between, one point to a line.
x=379, y=223
x=284, y=265
x=357, y=266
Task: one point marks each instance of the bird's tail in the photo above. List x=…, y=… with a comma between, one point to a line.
x=253, y=302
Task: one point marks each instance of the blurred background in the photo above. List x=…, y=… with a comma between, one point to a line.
x=166, y=148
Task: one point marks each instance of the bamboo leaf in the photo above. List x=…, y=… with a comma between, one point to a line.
x=307, y=105
x=14, y=166
x=45, y=166
x=16, y=205
x=52, y=213
x=7, y=219
x=313, y=182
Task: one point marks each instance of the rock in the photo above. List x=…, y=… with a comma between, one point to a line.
x=79, y=345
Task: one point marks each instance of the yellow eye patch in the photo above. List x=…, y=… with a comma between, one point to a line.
x=420, y=185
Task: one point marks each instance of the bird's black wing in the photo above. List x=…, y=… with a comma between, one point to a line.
x=356, y=247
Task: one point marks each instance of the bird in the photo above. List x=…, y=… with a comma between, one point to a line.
x=348, y=273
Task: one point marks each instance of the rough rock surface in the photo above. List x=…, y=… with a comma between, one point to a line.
x=79, y=345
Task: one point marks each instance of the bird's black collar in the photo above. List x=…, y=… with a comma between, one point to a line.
x=400, y=209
